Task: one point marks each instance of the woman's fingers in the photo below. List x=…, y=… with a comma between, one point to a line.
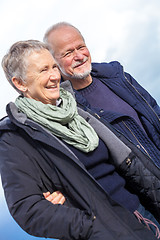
x=55, y=198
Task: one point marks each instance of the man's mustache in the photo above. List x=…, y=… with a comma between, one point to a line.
x=79, y=62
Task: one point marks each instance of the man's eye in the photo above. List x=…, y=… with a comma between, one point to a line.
x=82, y=47
x=67, y=54
x=44, y=69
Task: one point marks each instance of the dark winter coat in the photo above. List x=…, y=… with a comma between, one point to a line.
x=33, y=161
x=127, y=88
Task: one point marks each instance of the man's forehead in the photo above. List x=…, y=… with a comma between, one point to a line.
x=64, y=43
x=65, y=34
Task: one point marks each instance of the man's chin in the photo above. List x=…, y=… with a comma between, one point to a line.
x=81, y=75
x=78, y=75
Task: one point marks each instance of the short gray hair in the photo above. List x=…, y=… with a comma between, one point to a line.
x=55, y=27
x=14, y=63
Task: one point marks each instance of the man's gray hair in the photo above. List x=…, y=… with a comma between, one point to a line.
x=55, y=27
x=14, y=63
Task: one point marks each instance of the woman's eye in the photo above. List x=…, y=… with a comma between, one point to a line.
x=55, y=66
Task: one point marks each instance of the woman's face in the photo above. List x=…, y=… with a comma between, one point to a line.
x=42, y=77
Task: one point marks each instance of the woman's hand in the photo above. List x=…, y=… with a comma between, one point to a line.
x=55, y=197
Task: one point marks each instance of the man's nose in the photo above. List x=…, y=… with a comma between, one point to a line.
x=78, y=55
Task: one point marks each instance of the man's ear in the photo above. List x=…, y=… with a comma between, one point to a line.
x=19, y=84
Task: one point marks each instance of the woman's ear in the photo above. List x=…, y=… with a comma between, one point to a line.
x=19, y=84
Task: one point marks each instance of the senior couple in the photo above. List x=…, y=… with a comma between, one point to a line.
x=86, y=172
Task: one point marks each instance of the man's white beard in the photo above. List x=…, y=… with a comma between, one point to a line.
x=77, y=76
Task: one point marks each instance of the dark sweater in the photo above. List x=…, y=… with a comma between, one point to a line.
x=98, y=165
x=120, y=114
x=109, y=102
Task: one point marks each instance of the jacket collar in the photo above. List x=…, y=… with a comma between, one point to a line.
x=17, y=120
x=106, y=70
x=67, y=85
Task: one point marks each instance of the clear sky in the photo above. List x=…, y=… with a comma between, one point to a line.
x=124, y=30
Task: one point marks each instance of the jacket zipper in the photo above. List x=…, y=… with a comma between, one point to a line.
x=141, y=96
x=128, y=161
x=137, y=140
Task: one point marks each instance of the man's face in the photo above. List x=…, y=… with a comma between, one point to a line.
x=71, y=53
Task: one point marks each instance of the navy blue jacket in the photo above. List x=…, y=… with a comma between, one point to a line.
x=33, y=161
x=126, y=87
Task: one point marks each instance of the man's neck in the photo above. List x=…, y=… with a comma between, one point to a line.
x=81, y=83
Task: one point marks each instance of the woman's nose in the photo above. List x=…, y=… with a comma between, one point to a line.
x=55, y=74
x=54, y=77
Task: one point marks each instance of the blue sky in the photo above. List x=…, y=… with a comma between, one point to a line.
x=126, y=31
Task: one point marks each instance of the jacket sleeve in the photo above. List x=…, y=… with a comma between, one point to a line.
x=144, y=93
x=29, y=208
x=145, y=185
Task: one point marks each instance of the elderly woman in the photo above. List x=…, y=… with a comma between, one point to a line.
x=46, y=146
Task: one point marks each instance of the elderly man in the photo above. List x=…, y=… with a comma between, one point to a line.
x=107, y=90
